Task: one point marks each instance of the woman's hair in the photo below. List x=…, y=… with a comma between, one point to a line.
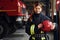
x=35, y=5
x=38, y=4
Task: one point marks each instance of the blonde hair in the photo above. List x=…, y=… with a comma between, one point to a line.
x=38, y=4
x=35, y=5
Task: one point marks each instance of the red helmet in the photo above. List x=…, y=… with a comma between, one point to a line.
x=46, y=25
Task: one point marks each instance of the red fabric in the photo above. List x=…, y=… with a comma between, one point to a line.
x=46, y=26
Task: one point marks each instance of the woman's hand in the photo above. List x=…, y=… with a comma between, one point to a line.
x=40, y=25
x=53, y=26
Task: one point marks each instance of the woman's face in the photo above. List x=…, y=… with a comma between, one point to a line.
x=37, y=9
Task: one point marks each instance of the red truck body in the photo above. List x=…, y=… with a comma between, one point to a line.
x=9, y=6
x=12, y=16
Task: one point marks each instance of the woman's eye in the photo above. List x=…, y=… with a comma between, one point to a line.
x=37, y=8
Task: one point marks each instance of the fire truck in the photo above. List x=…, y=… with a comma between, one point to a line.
x=11, y=16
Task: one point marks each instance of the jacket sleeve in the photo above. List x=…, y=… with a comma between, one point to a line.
x=47, y=18
x=56, y=25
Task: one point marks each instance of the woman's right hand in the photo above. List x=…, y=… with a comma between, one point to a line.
x=40, y=25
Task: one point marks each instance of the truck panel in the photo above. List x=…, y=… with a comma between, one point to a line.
x=9, y=6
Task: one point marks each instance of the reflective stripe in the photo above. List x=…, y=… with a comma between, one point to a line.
x=33, y=38
x=43, y=38
x=32, y=29
x=42, y=31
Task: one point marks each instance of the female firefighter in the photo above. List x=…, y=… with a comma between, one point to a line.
x=38, y=23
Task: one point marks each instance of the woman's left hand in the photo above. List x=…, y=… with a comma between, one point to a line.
x=53, y=26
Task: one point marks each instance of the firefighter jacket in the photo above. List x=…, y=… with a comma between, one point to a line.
x=34, y=20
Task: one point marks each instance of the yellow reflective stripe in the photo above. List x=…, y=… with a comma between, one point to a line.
x=33, y=38
x=32, y=29
x=43, y=38
x=42, y=31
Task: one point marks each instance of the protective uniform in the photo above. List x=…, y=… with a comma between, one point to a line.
x=32, y=29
